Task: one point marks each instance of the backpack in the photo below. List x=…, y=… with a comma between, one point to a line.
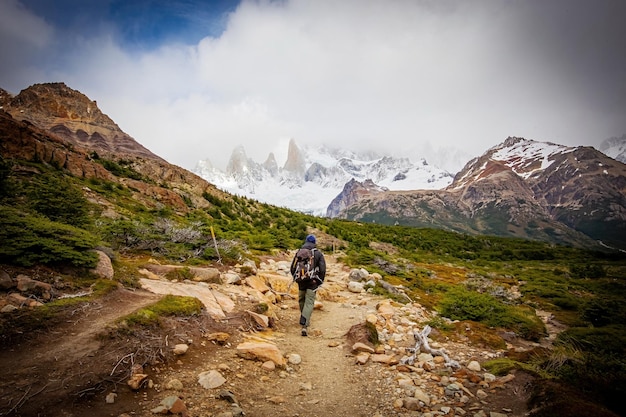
x=305, y=268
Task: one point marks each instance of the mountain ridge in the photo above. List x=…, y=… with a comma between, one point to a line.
x=520, y=188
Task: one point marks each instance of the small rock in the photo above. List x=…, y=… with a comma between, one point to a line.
x=474, y=366
x=211, y=379
x=171, y=404
x=174, y=384
x=481, y=394
x=219, y=337
x=228, y=396
x=422, y=396
x=136, y=380
x=180, y=349
x=362, y=358
x=110, y=398
x=294, y=359
x=412, y=404
x=362, y=347
x=279, y=399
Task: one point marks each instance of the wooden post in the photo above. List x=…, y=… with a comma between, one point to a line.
x=219, y=258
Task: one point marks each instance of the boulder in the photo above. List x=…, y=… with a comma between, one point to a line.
x=104, y=267
x=206, y=275
x=258, y=283
x=358, y=275
x=355, y=287
x=6, y=283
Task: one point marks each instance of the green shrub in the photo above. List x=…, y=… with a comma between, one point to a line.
x=461, y=304
x=28, y=240
x=57, y=199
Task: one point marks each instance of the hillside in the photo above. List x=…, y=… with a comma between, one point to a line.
x=92, y=240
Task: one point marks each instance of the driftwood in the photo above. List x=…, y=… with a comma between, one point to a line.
x=421, y=343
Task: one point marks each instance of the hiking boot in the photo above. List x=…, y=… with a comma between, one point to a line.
x=304, y=332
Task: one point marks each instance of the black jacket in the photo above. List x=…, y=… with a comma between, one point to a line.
x=318, y=262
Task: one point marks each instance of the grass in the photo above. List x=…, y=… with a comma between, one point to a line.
x=169, y=305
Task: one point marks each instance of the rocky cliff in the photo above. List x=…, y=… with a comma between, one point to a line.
x=72, y=116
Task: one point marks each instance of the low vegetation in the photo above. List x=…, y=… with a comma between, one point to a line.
x=491, y=283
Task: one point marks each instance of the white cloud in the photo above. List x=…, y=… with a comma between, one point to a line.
x=387, y=74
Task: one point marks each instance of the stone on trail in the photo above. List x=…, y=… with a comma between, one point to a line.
x=294, y=359
x=261, y=320
x=180, y=349
x=358, y=275
x=355, y=287
x=261, y=351
x=171, y=404
x=211, y=379
x=258, y=283
x=219, y=337
x=362, y=347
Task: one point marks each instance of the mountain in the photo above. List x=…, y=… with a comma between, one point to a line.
x=72, y=116
x=312, y=176
x=615, y=148
x=520, y=188
x=55, y=124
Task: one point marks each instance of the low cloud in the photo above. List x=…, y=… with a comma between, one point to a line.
x=399, y=76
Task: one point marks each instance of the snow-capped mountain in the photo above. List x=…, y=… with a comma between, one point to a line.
x=522, y=188
x=615, y=148
x=312, y=176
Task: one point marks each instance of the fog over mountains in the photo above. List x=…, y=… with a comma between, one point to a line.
x=313, y=175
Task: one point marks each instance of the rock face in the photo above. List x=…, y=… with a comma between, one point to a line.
x=352, y=192
x=75, y=118
x=521, y=188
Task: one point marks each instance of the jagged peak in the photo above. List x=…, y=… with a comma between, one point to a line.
x=296, y=163
x=238, y=161
x=271, y=165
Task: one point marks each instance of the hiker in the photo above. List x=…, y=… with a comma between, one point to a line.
x=308, y=283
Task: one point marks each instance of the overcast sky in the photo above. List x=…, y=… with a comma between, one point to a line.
x=192, y=79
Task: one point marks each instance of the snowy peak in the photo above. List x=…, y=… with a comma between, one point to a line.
x=524, y=157
x=615, y=148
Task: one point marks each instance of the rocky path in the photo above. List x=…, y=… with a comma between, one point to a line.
x=238, y=361
x=326, y=374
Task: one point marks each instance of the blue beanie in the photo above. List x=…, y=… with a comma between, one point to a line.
x=310, y=238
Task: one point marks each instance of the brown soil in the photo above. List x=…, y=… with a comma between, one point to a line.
x=69, y=369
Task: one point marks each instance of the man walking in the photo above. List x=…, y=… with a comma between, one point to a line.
x=309, y=270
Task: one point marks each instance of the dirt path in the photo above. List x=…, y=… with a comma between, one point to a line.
x=325, y=382
x=44, y=369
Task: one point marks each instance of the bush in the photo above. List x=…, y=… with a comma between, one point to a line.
x=58, y=200
x=28, y=240
x=461, y=304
